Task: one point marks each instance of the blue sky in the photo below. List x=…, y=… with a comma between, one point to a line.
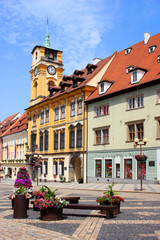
x=82, y=29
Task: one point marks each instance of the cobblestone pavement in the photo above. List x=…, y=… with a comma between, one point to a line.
x=139, y=219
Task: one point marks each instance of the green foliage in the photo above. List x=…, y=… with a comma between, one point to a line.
x=49, y=194
x=110, y=192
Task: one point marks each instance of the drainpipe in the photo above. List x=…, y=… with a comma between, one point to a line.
x=84, y=133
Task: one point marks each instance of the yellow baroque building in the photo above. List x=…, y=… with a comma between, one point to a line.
x=57, y=116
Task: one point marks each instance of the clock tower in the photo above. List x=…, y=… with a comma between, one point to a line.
x=46, y=70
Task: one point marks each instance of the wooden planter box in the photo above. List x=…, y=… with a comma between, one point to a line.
x=51, y=214
x=27, y=203
x=117, y=211
x=20, y=208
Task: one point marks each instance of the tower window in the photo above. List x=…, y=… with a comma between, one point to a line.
x=36, y=55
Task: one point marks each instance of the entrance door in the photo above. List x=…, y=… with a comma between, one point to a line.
x=117, y=170
x=77, y=168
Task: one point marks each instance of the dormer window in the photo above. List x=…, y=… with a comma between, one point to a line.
x=137, y=74
x=127, y=51
x=129, y=68
x=152, y=48
x=103, y=86
x=158, y=59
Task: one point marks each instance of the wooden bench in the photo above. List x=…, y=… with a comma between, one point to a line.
x=72, y=200
x=108, y=209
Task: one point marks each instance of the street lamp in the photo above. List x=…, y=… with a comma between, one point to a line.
x=136, y=141
x=37, y=158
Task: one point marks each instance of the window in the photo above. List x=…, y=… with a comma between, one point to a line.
x=41, y=141
x=102, y=110
x=105, y=136
x=105, y=110
x=102, y=136
x=158, y=97
x=34, y=120
x=98, y=168
x=55, y=168
x=61, y=168
x=72, y=106
x=158, y=127
x=79, y=137
x=47, y=115
x=127, y=51
x=131, y=132
x=56, y=111
x=135, y=76
x=72, y=138
x=62, y=139
x=79, y=107
x=55, y=140
x=42, y=117
x=135, y=102
x=135, y=130
x=46, y=140
x=108, y=168
x=128, y=168
x=140, y=131
x=139, y=166
x=98, y=111
x=33, y=142
x=102, y=87
x=62, y=112
x=98, y=137
x=152, y=48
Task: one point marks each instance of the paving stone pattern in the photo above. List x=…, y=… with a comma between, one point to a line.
x=139, y=219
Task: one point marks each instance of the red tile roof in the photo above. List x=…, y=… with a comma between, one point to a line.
x=7, y=123
x=138, y=57
x=19, y=125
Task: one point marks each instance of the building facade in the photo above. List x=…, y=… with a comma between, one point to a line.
x=15, y=140
x=125, y=106
x=57, y=115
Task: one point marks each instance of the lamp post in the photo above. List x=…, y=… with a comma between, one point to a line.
x=136, y=141
x=37, y=158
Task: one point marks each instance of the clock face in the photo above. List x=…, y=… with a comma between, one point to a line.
x=35, y=71
x=51, y=70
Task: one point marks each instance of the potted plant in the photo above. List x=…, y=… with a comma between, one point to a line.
x=109, y=198
x=49, y=206
x=141, y=158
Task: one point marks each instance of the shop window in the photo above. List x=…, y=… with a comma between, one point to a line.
x=55, y=168
x=128, y=168
x=45, y=168
x=139, y=170
x=61, y=168
x=98, y=168
x=108, y=168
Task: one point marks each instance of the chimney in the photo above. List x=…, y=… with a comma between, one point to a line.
x=96, y=60
x=146, y=37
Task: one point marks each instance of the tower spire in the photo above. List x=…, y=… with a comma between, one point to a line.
x=47, y=41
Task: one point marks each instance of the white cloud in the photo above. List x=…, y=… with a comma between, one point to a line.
x=76, y=27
